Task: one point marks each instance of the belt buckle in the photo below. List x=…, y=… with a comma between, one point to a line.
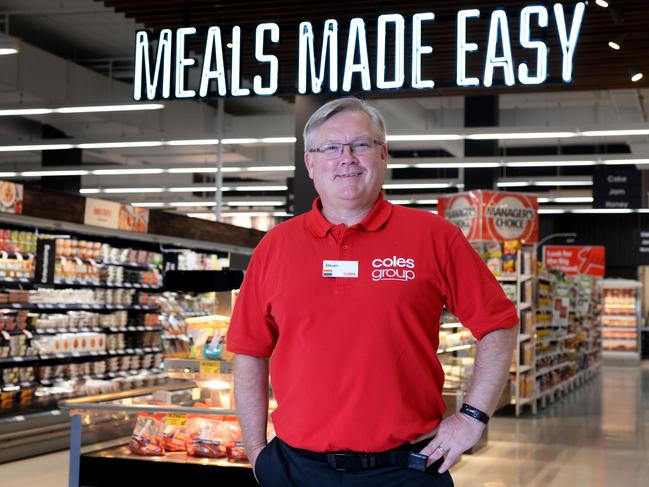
x=349, y=462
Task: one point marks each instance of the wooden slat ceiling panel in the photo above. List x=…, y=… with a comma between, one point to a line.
x=596, y=65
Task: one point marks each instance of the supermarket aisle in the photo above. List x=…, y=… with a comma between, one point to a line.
x=596, y=436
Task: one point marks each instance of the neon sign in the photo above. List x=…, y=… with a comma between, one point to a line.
x=165, y=73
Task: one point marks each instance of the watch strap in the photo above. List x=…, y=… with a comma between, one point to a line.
x=474, y=413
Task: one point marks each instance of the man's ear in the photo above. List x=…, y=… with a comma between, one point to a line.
x=384, y=154
x=308, y=162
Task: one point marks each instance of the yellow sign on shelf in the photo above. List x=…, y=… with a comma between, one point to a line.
x=210, y=367
x=176, y=419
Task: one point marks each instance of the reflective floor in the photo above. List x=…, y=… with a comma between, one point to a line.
x=596, y=436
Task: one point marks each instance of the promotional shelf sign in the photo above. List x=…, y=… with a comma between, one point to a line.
x=11, y=197
x=118, y=216
x=576, y=259
x=493, y=215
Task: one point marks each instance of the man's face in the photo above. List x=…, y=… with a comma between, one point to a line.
x=348, y=180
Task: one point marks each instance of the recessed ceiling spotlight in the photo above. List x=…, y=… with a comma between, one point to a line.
x=602, y=3
x=635, y=75
x=614, y=45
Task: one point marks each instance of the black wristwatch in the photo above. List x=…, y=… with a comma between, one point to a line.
x=474, y=413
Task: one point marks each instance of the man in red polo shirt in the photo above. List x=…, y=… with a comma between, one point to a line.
x=346, y=300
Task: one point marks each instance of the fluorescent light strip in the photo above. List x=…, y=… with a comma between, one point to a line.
x=255, y=203
x=585, y=182
x=38, y=147
x=513, y=184
x=117, y=145
x=89, y=191
x=551, y=211
x=401, y=202
x=8, y=174
x=623, y=162
x=148, y=204
x=240, y=141
x=549, y=163
x=193, y=142
x=260, y=188
x=8, y=50
x=25, y=111
x=416, y=185
x=521, y=135
x=192, y=203
x=118, y=172
x=571, y=199
x=110, y=108
x=614, y=133
x=422, y=137
x=278, y=140
x=133, y=190
x=602, y=210
x=31, y=174
x=456, y=165
x=426, y=202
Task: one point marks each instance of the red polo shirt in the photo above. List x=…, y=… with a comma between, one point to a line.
x=354, y=363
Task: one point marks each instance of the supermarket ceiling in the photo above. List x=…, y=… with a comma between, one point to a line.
x=81, y=53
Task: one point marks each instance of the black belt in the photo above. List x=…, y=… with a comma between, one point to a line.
x=356, y=461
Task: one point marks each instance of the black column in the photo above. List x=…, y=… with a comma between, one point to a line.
x=480, y=111
x=303, y=191
x=52, y=159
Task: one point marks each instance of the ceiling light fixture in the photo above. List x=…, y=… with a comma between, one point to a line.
x=520, y=135
x=133, y=190
x=149, y=204
x=416, y=185
x=602, y=3
x=192, y=203
x=120, y=145
x=423, y=137
x=549, y=163
x=81, y=109
x=614, y=45
x=119, y=172
x=37, y=147
x=636, y=76
x=193, y=142
x=33, y=174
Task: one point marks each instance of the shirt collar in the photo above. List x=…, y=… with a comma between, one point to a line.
x=378, y=215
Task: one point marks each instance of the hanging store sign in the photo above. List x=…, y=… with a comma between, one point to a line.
x=118, y=216
x=45, y=261
x=576, y=259
x=617, y=188
x=335, y=63
x=493, y=215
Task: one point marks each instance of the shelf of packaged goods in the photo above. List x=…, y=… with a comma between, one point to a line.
x=522, y=338
x=178, y=336
x=521, y=369
x=551, y=390
x=541, y=341
x=550, y=325
x=622, y=317
x=551, y=354
x=135, y=265
x=192, y=314
x=608, y=327
x=75, y=283
x=619, y=340
x=522, y=400
x=99, y=284
x=455, y=348
x=507, y=278
x=552, y=368
x=78, y=307
x=104, y=376
x=48, y=357
x=544, y=309
x=85, y=329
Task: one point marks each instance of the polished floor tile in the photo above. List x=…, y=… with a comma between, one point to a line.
x=595, y=436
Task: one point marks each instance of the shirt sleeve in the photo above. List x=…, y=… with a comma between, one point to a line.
x=472, y=292
x=252, y=329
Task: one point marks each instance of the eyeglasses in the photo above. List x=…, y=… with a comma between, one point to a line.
x=358, y=147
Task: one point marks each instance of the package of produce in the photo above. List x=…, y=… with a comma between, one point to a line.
x=147, y=435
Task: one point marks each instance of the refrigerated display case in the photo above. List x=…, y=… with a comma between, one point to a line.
x=621, y=320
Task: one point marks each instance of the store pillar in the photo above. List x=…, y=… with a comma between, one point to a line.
x=303, y=192
x=480, y=111
x=51, y=159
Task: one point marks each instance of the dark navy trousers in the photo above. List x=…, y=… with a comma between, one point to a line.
x=280, y=465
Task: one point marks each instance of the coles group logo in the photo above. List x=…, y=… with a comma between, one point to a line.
x=393, y=269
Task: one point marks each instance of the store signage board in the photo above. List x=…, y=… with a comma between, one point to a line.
x=164, y=72
x=11, y=197
x=45, y=261
x=118, y=216
x=617, y=188
x=493, y=215
x=589, y=260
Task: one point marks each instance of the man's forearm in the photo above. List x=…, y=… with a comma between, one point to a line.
x=251, y=396
x=491, y=368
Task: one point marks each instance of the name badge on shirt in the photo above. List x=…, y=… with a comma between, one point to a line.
x=340, y=268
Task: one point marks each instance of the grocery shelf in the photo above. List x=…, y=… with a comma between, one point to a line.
x=83, y=329
x=78, y=307
x=134, y=265
x=552, y=368
x=507, y=278
x=75, y=283
x=55, y=357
